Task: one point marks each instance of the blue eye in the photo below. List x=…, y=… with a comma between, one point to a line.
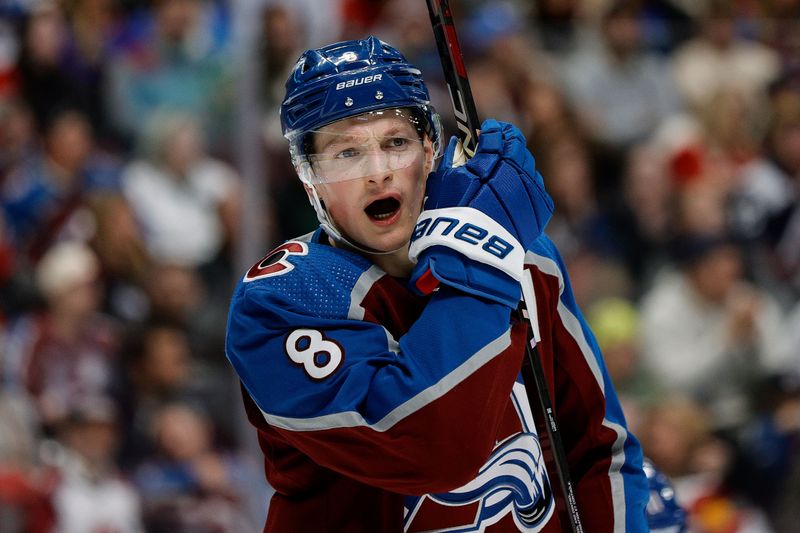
x=397, y=142
x=349, y=152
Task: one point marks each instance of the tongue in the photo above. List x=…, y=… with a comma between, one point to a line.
x=382, y=208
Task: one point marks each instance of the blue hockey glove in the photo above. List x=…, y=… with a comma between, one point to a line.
x=478, y=219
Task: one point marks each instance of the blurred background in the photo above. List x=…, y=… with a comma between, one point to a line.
x=142, y=170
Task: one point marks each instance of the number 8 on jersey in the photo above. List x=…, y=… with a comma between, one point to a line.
x=319, y=357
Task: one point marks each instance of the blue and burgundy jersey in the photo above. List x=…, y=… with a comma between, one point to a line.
x=381, y=410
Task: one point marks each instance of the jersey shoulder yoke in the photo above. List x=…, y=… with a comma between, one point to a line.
x=313, y=278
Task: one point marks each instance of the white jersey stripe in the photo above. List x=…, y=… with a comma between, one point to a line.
x=573, y=326
x=350, y=419
x=570, y=321
x=615, y=474
x=357, y=295
x=360, y=290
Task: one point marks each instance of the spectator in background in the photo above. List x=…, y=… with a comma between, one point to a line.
x=733, y=127
x=46, y=86
x=766, y=203
x=281, y=38
x=706, y=331
x=495, y=32
x=159, y=370
x=676, y=432
x=187, y=205
x=178, y=295
x=73, y=347
x=323, y=21
x=787, y=344
x=186, y=202
x=90, y=494
x=17, y=293
x=17, y=136
x=280, y=42
x=91, y=29
x=556, y=24
x=642, y=216
x=615, y=323
x=701, y=177
x=156, y=370
x=118, y=242
x=408, y=25
x=719, y=59
x=44, y=196
x=782, y=34
x=578, y=221
x=620, y=92
x=359, y=16
x=491, y=90
x=187, y=484
x=179, y=62
x=679, y=438
x=545, y=114
x=63, y=55
x=780, y=416
x=9, y=50
x=174, y=292
x=25, y=488
x=667, y=24
x=768, y=458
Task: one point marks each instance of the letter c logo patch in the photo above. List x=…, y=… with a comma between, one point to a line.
x=276, y=263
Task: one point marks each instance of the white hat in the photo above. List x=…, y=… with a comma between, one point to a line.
x=66, y=265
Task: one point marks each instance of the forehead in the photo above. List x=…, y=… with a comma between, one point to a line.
x=374, y=123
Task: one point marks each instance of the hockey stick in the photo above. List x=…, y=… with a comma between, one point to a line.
x=466, y=114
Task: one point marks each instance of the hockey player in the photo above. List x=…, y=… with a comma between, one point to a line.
x=380, y=355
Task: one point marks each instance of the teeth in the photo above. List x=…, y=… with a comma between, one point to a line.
x=382, y=216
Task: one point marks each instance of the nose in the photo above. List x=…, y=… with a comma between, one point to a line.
x=378, y=168
x=382, y=177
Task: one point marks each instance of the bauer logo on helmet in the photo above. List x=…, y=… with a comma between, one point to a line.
x=359, y=81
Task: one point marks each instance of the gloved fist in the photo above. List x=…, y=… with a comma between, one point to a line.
x=478, y=219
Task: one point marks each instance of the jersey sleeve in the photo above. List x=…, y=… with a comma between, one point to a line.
x=604, y=458
x=412, y=415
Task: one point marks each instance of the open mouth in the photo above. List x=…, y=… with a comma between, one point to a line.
x=382, y=209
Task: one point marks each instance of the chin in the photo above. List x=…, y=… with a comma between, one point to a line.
x=391, y=241
x=389, y=245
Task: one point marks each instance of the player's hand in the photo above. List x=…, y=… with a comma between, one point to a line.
x=499, y=207
x=500, y=180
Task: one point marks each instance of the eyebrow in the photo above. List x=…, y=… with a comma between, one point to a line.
x=341, y=138
x=334, y=138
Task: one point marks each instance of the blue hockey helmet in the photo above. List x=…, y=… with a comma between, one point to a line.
x=664, y=514
x=351, y=78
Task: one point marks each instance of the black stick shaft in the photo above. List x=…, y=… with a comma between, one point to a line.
x=466, y=115
x=455, y=74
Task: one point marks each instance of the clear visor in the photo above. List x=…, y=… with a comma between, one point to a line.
x=372, y=144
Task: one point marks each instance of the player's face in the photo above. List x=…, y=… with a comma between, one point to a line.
x=371, y=177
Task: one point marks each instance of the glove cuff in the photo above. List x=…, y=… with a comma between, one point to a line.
x=443, y=265
x=471, y=233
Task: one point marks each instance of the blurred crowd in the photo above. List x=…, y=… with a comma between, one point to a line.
x=667, y=132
